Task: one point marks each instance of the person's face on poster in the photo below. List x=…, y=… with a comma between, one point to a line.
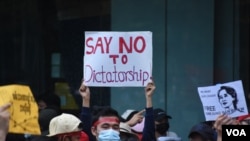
x=225, y=99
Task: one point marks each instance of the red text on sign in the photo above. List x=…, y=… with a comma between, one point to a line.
x=138, y=44
x=103, y=43
x=115, y=76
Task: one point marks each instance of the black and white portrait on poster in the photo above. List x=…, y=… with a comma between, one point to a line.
x=227, y=98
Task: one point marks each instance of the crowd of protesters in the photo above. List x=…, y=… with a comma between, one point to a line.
x=103, y=123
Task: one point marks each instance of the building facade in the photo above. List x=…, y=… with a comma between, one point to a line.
x=195, y=43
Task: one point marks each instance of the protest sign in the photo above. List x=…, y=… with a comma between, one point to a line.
x=23, y=110
x=117, y=58
x=227, y=98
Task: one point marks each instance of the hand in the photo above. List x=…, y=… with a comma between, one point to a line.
x=223, y=120
x=85, y=93
x=149, y=90
x=137, y=118
x=4, y=119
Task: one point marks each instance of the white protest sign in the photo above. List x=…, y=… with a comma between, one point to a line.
x=117, y=58
x=227, y=98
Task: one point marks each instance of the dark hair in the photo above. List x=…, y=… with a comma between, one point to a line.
x=231, y=91
x=103, y=111
x=51, y=99
x=128, y=137
x=203, y=130
x=161, y=116
x=162, y=128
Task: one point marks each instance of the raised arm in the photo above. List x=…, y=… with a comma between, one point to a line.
x=85, y=93
x=4, y=121
x=137, y=118
x=85, y=115
x=149, y=127
x=149, y=90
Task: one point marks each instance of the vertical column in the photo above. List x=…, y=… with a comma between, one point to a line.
x=190, y=41
x=141, y=15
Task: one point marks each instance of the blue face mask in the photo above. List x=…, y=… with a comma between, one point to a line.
x=108, y=135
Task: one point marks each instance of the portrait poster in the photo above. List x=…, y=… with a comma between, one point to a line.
x=227, y=98
x=23, y=109
x=115, y=59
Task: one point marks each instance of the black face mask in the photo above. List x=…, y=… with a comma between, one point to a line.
x=162, y=128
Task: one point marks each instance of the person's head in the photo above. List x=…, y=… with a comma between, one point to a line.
x=128, y=114
x=48, y=100
x=227, y=97
x=44, y=118
x=244, y=120
x=138, y=128
x=135, y=119
x=161, y=122
x=65, y=127
x=126, y=133
x=105, y=123
x=202, y=132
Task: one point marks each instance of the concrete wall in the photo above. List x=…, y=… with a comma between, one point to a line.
x=190, y=40
x=189, y=43
x=142, y=15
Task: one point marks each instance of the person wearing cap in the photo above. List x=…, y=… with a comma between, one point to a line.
x=66, y=127
x=128, y=116
x=162, y=132
x=135, y=120
x=202, y=132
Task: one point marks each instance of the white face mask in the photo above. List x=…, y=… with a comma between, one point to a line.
x=108, y=135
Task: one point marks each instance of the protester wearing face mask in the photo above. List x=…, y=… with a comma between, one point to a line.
x=109, y=119
x=103, y=123
x=162, y=132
